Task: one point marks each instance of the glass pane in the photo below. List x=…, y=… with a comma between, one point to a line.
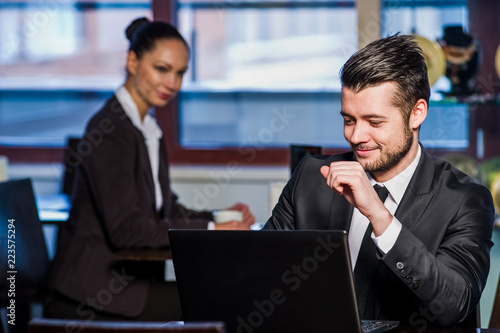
x=260, y=119
x=267, y=48
x=252, y=65
x=258, y=71
x=60, y=60
x=446, y=126
x=426, y=21
x=45, y=118
x=248, y=120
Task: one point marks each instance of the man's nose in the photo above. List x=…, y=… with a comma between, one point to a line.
x=359, y=134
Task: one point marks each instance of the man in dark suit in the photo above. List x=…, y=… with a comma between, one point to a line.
x=420, y=252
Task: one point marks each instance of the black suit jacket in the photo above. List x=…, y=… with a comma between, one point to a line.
x=437, y=269
x=114, y=209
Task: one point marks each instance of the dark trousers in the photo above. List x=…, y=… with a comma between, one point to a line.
x=162, y=304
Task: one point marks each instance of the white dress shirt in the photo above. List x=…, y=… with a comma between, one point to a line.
x=396, y=187
x=152, y=134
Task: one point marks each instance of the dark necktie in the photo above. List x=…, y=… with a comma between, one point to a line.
x=366, y=267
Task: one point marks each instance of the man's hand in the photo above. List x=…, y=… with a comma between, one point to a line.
x=244, y=224
x=349, y=179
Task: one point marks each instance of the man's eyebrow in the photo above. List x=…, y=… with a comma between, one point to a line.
x=366, y=116
x=374, y=116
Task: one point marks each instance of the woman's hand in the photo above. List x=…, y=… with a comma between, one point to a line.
x=246, y=222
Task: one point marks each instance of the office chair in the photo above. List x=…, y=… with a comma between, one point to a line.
x=23, y=252
x=297, y=152
x=71, y=161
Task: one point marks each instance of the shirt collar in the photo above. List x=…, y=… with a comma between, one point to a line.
x=397, y=185
x=148, y=126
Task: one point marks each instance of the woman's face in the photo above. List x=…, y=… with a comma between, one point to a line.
x=156, y=77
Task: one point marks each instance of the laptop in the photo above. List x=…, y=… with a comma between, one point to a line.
x=268, y=281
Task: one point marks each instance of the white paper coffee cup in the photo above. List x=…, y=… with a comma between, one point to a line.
x=227, y=215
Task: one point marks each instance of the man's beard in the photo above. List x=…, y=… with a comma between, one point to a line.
x=391, y=158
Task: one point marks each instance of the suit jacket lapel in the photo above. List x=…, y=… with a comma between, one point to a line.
x=340, y=213
x=413, y=204
x=164, y=179
x=146, y=167
x=340, y=209
x=144, y=162
x=418, y=195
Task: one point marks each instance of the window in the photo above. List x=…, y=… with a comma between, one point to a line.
x=263, y=74
x=267, y=45
x=255, y=60
x=60, y=60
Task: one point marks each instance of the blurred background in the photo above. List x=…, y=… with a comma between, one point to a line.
x=60, y=59
x=263, y=76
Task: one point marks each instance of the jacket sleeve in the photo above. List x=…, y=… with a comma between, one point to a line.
x=185, y=218
x=179, y=215
x=447, y=281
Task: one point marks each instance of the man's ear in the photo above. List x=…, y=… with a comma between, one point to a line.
x=418, y=114
x=132, y=62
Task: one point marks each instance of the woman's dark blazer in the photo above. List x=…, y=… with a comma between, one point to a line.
x=114, y=209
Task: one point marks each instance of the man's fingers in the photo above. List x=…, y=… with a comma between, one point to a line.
x=325, y=170
x=340, y=175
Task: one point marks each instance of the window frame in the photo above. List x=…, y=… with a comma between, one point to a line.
x=168, y=119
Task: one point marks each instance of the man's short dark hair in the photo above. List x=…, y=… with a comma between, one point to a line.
x=397, y=59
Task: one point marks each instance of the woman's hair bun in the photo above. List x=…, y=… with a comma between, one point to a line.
x=136, y=24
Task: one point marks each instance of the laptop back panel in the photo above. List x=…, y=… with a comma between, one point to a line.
x=266, y=281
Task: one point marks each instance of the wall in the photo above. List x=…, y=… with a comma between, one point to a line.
x=202, y=188
x=219, y=187
x=210, y=188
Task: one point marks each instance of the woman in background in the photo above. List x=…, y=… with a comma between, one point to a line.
x=122, y=197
